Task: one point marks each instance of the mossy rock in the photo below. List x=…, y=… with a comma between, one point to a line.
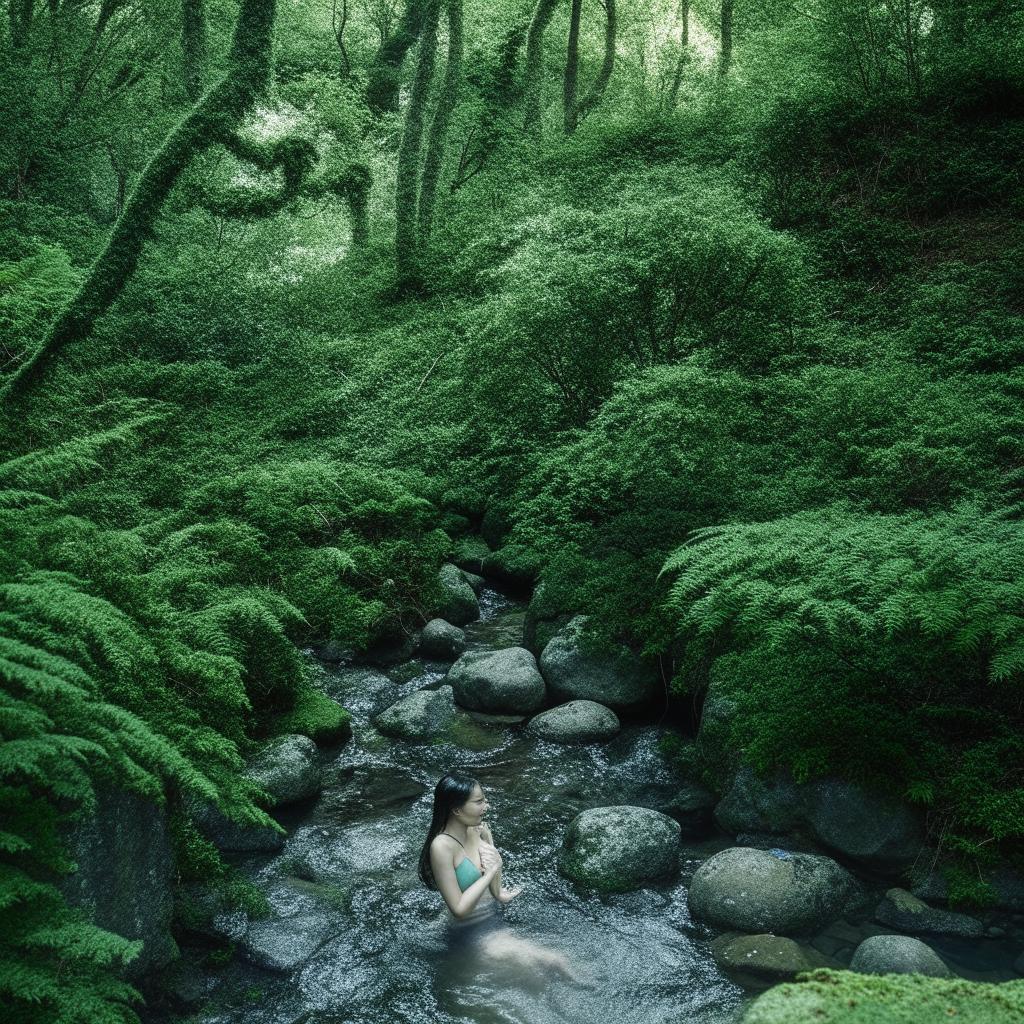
x=317, y=716
x=842, y=997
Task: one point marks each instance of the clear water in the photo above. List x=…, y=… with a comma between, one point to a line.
x=348, y=871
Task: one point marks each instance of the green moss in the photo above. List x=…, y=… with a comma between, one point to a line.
x=841, y=997
x=317, y=716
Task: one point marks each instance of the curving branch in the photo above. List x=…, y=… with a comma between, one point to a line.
x=214, y=119
x=293, y=156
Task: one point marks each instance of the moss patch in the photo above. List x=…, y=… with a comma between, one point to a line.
x=842, y=997
x=317, y=716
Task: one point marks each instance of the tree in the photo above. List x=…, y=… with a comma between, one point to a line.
x=408, y=173
x=434, y=159
x=534, y=72
x=725, y=24
x=383, y=80
x=193, y=46
x=214, y=119
x=684, y=54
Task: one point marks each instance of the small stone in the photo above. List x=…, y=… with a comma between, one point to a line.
x=771, y=957
x=423, y=715
x=898, y=954
x=906, y=913
x=442, y=640
x=287, y=769
x=579, y=721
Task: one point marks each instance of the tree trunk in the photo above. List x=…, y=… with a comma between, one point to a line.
x=596, y=91
x=20, y=14
x=214, y=119
x=193, y=46
x=533, y=78
x=725, y=56
x=434, y=160
x=383, y=76
x=684, y=55
x=570, y=114
x=407, y=179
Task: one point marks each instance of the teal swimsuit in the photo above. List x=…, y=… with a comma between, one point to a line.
x=466, y=873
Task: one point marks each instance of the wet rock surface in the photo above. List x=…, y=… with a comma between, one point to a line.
x=906, y=913
x=770, y=891
x=498, y=681
x=287, y=769
x=579, y=721
x=898, y=954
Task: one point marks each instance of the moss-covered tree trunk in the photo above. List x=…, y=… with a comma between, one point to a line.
x=683, y=60
x=604, y=75
x=383, y=77
x=214, y=119
x=19, y=15
x=408, y=174
x=533, y=76
x=725, y=55
x=570, y=113
x=433, y=162
x=193, y=46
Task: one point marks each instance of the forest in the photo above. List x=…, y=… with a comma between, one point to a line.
x=703, y=320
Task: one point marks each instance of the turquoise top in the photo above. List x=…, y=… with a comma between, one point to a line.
x=468, y=876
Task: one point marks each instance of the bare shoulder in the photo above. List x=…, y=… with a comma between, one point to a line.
x=442, y=843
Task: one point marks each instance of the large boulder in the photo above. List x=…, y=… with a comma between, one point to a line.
x=906, y=913
x=615, y=849
x=770, y=891
x=756, y=804
x=898, y=954
x=621, y=680
x=579, y=721
x=500, y=681
x=1006, y=886
x=714, y=735
x=859, y=824
x=123, y=873
x=863, y=825
x=692, y=806
x=470, y=552
x=231, y=836
x=287, y=769
x=768, y=957
x=459, y=605
x=287, y=943
x=423, y=715
x=442, y=640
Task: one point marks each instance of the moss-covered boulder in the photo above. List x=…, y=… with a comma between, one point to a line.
x=904, y=912
x=317, y=716
x=618, y=679
x=458, y=604
x=287, y=769
x=841, y=997
x=616, y=849
x=765, y=957
x=469, y=553
x=774, y=891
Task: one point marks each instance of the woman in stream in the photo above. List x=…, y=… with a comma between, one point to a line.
x=460, y=860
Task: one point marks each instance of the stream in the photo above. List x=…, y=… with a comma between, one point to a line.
x=368, y=940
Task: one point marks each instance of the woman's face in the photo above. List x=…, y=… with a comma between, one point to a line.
x=473, y=810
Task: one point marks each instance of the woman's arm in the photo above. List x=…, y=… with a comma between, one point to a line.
x=459, y=903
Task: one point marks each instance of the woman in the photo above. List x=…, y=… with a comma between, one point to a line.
x=460, y=860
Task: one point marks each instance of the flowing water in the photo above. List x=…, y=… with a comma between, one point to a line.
x=359, y=939
x=346, y=886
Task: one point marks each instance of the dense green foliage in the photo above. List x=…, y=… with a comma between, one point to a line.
x=780, y=306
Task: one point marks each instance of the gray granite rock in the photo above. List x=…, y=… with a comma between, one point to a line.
x=898, y=954
x=423, y=715
x=287, y=769
x=442, y=640
x=505, y=681
x=775, y=891
x=768, y=957
x=287, y=943
x=579, y=721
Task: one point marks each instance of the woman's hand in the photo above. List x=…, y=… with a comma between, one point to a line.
x=490, y=859
x=508, y=895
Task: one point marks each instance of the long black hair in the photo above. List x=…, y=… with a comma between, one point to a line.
x=450, y=793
